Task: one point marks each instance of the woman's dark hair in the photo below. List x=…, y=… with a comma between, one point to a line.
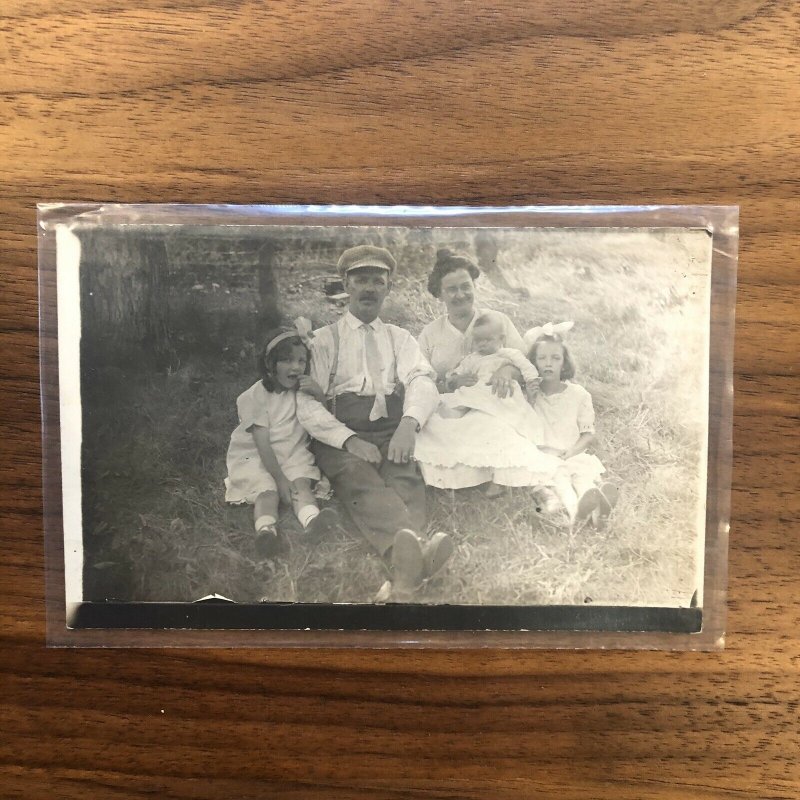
x=446, y=262
x=282, y=350
x=567, y=368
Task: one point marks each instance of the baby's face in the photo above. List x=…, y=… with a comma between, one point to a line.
x=487, y=340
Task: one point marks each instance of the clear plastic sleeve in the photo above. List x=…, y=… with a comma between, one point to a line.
x=152, y=323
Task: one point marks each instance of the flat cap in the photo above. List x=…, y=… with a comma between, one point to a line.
x=366, y=255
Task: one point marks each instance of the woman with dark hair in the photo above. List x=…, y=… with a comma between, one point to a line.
x=446, y=340
x=489, y=442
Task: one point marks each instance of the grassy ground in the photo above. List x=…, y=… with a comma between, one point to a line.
x=156, y=526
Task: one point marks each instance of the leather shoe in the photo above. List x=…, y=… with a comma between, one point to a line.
x=408, y=564
x=437, y=552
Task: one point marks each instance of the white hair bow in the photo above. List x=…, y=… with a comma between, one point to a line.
x=548, y=329
x=303, y=327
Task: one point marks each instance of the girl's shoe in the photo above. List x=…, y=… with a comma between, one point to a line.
x=324, y=523
x=603, y=511
x=493, y=490
x=611, y=494
x=267, y=542
x=590, y=501
x=547, y=501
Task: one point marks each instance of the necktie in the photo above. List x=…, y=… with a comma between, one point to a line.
x=374, y=364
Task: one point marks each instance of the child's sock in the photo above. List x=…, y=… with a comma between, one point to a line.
x=566, y=494
x=306, y=514
x=265, y=521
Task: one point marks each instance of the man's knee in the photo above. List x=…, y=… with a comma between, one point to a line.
x=355, y=473
x=408, y=472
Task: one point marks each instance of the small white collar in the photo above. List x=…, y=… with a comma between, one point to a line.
x=355, y=323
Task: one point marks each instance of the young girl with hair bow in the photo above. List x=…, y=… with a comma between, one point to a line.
x=567, y=415
x=268, y=457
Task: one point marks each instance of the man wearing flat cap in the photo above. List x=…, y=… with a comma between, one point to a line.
x=380, y=391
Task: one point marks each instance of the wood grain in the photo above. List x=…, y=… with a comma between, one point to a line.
x=351, y=101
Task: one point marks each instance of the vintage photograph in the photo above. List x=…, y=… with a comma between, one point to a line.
x=501, y=416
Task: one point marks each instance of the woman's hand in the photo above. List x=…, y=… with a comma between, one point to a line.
x=401, y=445
x=308, y=385
x=504, y=380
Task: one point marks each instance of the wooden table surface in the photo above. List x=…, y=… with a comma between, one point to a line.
x=506, y=102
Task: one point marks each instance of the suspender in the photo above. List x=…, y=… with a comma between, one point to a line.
x=334, y=329
x=330, y=393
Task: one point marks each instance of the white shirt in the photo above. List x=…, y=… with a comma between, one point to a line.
x=402, y=362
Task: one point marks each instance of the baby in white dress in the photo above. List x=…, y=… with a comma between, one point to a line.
x=488, y=355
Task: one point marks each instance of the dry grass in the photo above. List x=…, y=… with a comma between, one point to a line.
x=156, y=526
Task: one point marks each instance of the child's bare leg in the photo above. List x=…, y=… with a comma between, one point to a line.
x=265, y=510
x=566, y=494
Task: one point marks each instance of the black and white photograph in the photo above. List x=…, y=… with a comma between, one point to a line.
x=434, y=415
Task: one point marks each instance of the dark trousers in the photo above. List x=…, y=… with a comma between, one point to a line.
x=380, y=499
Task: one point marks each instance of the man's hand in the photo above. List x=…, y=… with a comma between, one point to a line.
x=401, y=446
x=308, y=385
x=363, y=450
x=504, y=380
x=467, y=379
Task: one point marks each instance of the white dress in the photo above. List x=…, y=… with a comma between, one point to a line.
x=495, y=440
x=565, y=416
x=483, y=445
x=277, y=412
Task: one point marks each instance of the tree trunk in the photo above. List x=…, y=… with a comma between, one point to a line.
x=124, y=298
x=269, y=314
